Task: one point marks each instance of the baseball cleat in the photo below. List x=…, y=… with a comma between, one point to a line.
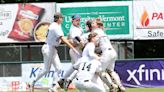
x=31, y=86
x=61, y=83
x=121, y=89
x=113, y=88
x=66, y=84
x=51, y=90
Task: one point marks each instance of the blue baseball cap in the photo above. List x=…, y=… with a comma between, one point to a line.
x=76, y=16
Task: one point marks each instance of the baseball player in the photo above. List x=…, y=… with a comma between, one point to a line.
x=55, y=37
x=109, y=55
x=84, y=38
x=88, y=28
x=74, y=37
x=106, y=78
x=87, y=67
x=96, y=79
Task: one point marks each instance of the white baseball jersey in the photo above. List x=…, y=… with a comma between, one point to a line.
x=86, y=73
x=88, y=56
x=84, y=37
x=54, y=34
x=86, y=70
x=89, y=51
x=109, y=55
x=104, y=41
x=74, y=32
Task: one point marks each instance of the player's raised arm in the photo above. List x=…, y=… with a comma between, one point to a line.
x=64, y=40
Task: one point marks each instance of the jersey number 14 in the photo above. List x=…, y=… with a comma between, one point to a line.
x=86, y=66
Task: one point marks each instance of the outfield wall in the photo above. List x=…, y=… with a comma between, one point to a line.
x=133, y=73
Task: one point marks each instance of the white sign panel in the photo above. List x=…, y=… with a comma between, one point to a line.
x=148, y=19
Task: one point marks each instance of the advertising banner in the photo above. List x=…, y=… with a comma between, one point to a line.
x=141, y=73
x=116, y=16
x=25, y=22
x=8, y=84
x=134, y=73
x=148, y=19
x=29, y=73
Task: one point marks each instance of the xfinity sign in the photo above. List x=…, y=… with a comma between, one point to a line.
x=145, y=74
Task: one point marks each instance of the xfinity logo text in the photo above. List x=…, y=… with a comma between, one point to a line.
x=145, y=74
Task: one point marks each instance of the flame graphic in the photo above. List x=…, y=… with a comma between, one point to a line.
x=144, y=19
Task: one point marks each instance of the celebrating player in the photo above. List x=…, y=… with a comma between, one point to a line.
x=74, y=37
x=87, y=67
x=55, y=37
x=108, y=56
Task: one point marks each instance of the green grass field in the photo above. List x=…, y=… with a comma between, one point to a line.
x=127, y=90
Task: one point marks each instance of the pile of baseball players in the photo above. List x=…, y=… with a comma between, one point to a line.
x=92, y=54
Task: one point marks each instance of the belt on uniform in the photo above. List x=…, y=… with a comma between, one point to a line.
x=109, y=49
x=84, y=80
